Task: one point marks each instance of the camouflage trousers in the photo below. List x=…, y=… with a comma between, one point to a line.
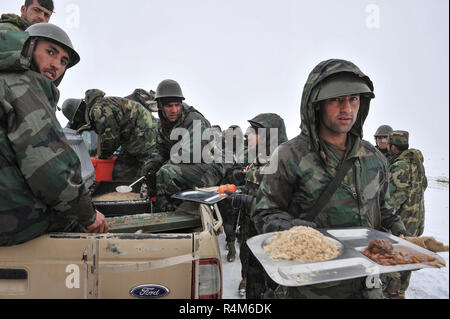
x=230, y=217
x=344, y=289
x=395, y=284
x=175, y=178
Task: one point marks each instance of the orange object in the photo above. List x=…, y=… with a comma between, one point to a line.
x=227, y=187
x=103, y=168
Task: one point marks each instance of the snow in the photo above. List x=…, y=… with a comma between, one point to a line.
x=428, y=283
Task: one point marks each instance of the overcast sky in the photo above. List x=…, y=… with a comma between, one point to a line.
x=235, y=59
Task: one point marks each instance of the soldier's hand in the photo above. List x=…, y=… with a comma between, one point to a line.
x=301, y=222
x=277, y=225
x=100, y=224
x=405, y=233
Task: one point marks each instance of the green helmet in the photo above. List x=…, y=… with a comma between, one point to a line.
x=383, y=131
x=70, y=108
x=169, y=88
x=55, y=33
x=399, y=138
x=342, y=84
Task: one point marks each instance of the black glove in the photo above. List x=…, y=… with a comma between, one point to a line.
x=239, y=201
x=301, y=222
x=405, y=233
x=282, y=224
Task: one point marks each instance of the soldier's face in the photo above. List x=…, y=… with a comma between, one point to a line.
x=252, y=140
x=339, y=114
x=35, y=13
x=51, y=59
x=382, y=142
x=172, y=111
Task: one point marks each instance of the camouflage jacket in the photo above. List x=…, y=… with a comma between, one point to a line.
x=13, y=22
x=306, y=165
x=408, y=183
x=191, y=121
x=40, y=174
x=121, y=122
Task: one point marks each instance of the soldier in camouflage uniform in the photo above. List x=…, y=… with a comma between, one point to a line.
x=119, y=122
x=381, y=138
x=254, y=280
x=229, y=214
x=41, y=184
x=334, y=106
x=183, y=161
x=407, y=185
x=32, y=12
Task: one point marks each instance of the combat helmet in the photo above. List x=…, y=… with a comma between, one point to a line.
x=169, y=88
x=71, y=110
x=383, y=131
x=56, y=34
x=342, y=84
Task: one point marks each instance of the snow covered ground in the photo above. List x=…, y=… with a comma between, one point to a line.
x=429, y=283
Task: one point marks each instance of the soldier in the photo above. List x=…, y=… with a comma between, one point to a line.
x=119, y=122
x=254, y=280
x=407, y=185
x=334, y=106
x=40, y=174
x=381, y=136
x=32, y=12
x=230, y=215
x=181, y=129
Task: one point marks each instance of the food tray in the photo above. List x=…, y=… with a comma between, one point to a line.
x=197, y=196
x=349, y=264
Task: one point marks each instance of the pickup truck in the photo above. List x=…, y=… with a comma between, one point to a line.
x=146, y=255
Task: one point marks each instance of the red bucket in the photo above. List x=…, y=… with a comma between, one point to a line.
x=103, y=168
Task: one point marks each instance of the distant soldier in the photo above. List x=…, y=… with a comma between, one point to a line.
x=42, y=189
x=328, y=176
x=407, y=185
x=32, y=12
x=254, y=280
x=179, y=161
x=381, y=139
x=233, y=135
x=118, y=122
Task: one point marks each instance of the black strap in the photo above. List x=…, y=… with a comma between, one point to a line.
x=330, y=190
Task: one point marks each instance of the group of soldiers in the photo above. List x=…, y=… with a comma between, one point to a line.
x=326, y=177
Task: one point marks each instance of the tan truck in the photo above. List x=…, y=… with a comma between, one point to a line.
x=180, y=264
x=144, y=255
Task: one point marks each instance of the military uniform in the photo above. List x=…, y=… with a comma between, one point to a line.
x=407, y=185
x=307, y=164
x=251, y=271
x=169, y=177
x=13, y=22
x=122, y=122
x=40, y=175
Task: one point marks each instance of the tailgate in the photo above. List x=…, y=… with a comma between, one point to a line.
x=146, y=266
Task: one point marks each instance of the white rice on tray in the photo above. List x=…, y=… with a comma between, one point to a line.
x=303, y=244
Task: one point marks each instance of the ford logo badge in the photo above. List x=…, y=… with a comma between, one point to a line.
x=149, y=291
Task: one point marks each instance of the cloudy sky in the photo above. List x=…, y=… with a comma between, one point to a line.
x=237, y=58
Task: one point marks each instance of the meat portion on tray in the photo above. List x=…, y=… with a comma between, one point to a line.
x=384, y=253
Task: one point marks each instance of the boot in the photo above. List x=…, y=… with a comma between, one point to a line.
x=231, y=256
x=242, y=286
